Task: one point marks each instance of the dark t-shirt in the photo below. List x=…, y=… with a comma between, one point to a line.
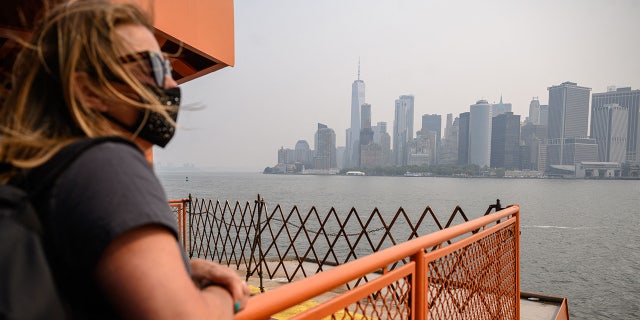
x=106, y=191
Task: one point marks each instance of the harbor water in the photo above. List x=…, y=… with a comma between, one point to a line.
x=580, y=238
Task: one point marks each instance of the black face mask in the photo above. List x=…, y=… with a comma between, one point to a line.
x=151, y=125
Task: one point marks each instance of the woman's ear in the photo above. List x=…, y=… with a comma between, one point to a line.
x=85, y=93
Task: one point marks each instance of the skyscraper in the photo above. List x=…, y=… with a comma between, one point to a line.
x=463, y=139
x=353, y=134
x=433, y=122
x=534, y=111
x=534, y=138
x=286, y=156
x=609, y=127
x=366, y=133
x=480, y=133
x=382, y=138
x=402, y=129
x=449, y=148
x=624, y=97
x=366, y=148
x=544, y=115
x=568, y=111
x=378, y=130
x=505, y=141
x=449, y=125
x=303, y=153
x=500, y=108
x=568, y=123
x=325, y=145
x=422, y=149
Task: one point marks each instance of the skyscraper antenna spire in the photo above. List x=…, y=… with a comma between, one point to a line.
x=358, y=68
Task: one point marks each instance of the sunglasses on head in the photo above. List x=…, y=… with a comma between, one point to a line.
x=160, y=66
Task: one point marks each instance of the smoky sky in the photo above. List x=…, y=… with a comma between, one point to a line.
x=296, y=61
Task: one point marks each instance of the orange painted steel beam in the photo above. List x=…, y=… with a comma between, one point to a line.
x=262, y=306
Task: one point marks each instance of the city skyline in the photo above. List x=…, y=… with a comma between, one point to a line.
x=295, y=62
x=492, y=136
x=486, y=130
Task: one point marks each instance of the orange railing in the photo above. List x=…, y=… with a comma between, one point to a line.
x=179, y=208
x=468, y=271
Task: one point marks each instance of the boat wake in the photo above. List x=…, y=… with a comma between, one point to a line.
x=558, y=227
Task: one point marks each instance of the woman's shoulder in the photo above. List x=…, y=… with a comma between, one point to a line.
x=109, y=154
x=111, y=178
x=113, y=149
x=111, y=165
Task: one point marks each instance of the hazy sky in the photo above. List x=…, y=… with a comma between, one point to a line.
x=296, y=61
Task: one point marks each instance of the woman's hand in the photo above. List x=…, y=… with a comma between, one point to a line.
x=205, y=273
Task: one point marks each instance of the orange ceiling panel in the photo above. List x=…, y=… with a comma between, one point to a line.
x=206, y=26
x=199, y=33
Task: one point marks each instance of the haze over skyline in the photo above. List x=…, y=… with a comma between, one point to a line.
x=296, y=60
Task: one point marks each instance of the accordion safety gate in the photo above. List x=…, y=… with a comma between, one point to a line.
x=467, y=271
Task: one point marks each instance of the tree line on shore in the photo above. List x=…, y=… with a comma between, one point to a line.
x=435, y=170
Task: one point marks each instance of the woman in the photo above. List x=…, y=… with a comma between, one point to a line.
x=94, y=69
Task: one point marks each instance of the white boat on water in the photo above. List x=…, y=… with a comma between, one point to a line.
x=355, y=173
x=413, y=174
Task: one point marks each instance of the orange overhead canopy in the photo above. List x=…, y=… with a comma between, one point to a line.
x=203, y=28
x=199, y=32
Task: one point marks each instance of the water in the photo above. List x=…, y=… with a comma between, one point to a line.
x=580, y=238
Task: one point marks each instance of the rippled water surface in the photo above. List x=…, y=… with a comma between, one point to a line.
x=580, y=238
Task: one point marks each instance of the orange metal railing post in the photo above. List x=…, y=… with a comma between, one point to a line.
x=517, y=240
x=420, y=285
x=190, y=226
x=180, y=207
x=184, y=225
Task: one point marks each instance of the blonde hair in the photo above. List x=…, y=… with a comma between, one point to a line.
x=42, y=112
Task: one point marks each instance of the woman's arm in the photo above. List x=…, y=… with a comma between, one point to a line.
x=143, y=275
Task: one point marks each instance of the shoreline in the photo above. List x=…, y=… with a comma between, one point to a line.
x=458, y=177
